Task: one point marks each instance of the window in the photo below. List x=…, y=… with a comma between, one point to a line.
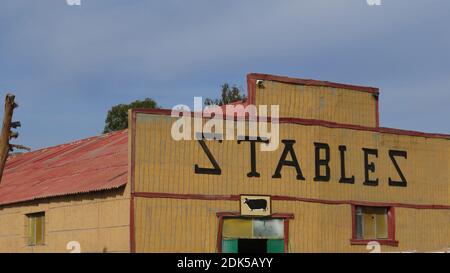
x=373, y=224
x=36, y=228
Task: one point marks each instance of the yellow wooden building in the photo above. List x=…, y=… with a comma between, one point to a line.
x=335, y=182
x=68, y=198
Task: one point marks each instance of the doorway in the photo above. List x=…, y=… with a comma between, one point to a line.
x=253, y=235
x=252, y=245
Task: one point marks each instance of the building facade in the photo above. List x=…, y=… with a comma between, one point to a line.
x=335, y=182
x=68, y=198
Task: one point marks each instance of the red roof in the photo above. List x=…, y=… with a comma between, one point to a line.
x=91, y=164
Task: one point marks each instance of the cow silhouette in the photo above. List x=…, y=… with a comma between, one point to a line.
x=254, y=204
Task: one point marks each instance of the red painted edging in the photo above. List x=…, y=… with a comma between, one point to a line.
x=362, y=203
x=274, y=215
x=224, y=214
x=381, y=242
x=132, y=176
x=391, y=230
x=315, y=122
x=187, y=196
x=286, y=198
x=219, y=235
x=284, y=79
x=286, y=235
x=251, y=89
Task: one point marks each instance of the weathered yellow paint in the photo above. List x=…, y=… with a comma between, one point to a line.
x=176, y=225
x=99, y=221
x=322, y=103
x=237, y=228
x=163, y=165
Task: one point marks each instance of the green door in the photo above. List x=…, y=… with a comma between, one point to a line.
x=275, y=246
x=230, y=246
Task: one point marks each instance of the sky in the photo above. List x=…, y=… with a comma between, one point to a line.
x=67, y=65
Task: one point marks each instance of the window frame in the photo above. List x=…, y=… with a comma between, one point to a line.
x=390, y=240
x=31, y=220
x=224, y=215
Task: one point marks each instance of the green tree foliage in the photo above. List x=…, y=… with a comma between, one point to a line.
x=117, y=118
x=228, y=95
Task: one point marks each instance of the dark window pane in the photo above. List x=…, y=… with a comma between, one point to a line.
x=252, y=246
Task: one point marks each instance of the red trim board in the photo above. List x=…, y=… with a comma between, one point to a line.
x=391, y=230
x=308, y=82
x=315, y=122
x=132, y=203
x=287, y=198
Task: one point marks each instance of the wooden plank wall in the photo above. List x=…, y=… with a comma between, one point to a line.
x=163, y=165
x=322, y=103
x=176, y=225
x=167, y=166
x=99, y=221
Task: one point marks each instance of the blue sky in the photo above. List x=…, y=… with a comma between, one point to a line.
x=68, y=65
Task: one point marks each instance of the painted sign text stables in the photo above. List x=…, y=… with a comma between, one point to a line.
x=288, y=159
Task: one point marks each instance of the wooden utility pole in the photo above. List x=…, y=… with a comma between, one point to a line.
x=6, y=133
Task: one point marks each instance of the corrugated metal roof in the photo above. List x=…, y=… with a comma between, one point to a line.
x=91, y=164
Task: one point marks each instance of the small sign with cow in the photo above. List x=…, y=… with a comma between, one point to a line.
x=255, y=205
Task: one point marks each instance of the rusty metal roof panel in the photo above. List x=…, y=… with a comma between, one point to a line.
x=91, y=164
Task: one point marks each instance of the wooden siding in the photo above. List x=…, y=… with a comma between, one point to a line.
x=321, y=103
x=175, y=225
x=99, y=221
x=167, y=166
x=182, y=222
